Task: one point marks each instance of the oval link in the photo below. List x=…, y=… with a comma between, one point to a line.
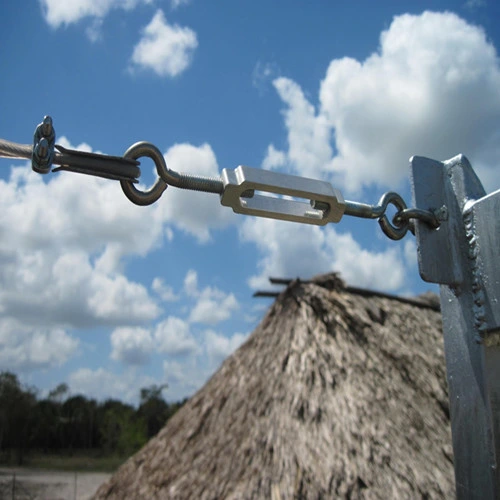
x=396, y=231
x=153, y=194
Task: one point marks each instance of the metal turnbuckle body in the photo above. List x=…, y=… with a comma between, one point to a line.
x=241, y=185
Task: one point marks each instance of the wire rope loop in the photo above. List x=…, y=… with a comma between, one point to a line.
x=153, y=194
x=398, y=228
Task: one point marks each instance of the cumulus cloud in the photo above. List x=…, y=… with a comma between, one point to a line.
x=431, y=89
x=292, y=250
x=474, y=4
x=164, y=291
x=192, y=211
x=103, y=384
x=62, y=257
x=26, y=349
x=177, y=3
x=189, y=374
x=64, y=12
x=132, y=346
x=165, y=48
x=59, y=264
x=173, y=336
x=309, y=133
x=213, y=306
x=274, y=158
x=219, y=346
x=263, y=74
x=191, y=283
x=184, y=378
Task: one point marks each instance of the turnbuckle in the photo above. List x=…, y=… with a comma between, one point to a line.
x=243, y=187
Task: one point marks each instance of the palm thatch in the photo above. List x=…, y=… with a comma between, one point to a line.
x=334, y=395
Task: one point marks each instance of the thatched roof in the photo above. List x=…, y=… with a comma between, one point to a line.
x=334, y=395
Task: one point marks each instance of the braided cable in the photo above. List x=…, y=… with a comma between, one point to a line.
x=10, y=149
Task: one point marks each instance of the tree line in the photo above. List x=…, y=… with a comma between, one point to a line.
x=61, y=423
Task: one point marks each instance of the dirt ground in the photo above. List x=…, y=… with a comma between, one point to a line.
x=30, y=484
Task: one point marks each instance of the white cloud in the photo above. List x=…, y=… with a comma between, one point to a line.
x=431, y=89
x=165, y=292
x=359, y=266
x=64, y=12
x=218, y=346
x=26, y=349
x=62, y=263
x=263, y=74
x=132, y=346
x=287, y=249
x=292, y=250
x=175, y=372
x=102, y=384
x=213, y=306
x=173, y=336
x=94, y=30
x=192, y=211
x=189, y=374
x=164, y=48
x=309, y=148
x=191, y=283
x=474, y=4
x=410, y=254
x=274, y=158
x=177, y=3
x=184, y=378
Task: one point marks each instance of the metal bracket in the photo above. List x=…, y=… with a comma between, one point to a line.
x=462, y=256
x=442, y=188
x=325, y=203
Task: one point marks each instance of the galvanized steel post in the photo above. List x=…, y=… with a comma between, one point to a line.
x=462, y=255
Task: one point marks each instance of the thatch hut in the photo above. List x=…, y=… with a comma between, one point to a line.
x=336, y=394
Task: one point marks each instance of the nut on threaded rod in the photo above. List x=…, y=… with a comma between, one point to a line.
x=44, y=140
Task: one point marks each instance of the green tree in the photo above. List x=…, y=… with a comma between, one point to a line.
x=59, y=394
x=45, y=435
x=153, y=409
x=16, y=417
x=122, y=430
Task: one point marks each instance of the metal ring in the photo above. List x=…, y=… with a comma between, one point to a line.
x=416, y=213
x=148, y=197
x=396, y=231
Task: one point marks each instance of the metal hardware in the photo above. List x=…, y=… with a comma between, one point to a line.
x=109, y=167
x=241, y=184
x=462, y=256
x=43, y=146
x=43, y=156
x=135, y=195
x=246, y=190
x=396, y=231
x=166, y=177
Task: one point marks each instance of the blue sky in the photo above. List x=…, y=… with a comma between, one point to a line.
x=111, y=297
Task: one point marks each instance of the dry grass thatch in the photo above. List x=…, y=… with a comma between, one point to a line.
x=334, y=395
